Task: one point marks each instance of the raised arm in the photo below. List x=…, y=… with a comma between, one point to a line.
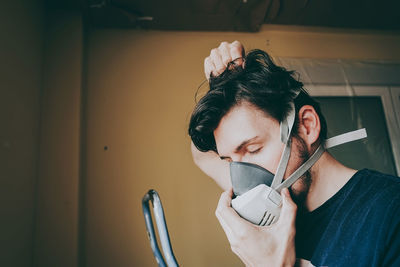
x=209, y=162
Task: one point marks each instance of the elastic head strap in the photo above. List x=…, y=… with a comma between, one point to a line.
x=285, y=129
x=345, y=138
x=280, y=171
x=302, y=169
x=287, y=124
x=331, y=142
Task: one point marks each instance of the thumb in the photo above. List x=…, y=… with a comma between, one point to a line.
x=289, y=208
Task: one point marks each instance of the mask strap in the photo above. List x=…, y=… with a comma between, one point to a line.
x=345, y=138
x=285, y=130
x=302, y=169
x=287, y=125
x=331, y=142
x=280, y=171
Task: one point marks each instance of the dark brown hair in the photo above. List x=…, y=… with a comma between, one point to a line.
x=261, y=83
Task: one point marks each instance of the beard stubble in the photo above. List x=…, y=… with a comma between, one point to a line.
x=299, y=196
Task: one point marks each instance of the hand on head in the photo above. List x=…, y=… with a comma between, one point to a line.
x=220, y=57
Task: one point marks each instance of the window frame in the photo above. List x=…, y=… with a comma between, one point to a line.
x=395, y=92
x=390, y=98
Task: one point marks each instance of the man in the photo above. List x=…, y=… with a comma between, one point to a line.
x=333, y=215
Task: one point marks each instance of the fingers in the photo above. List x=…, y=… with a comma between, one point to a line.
x=217, y=60
x=225, y=199
x=220, y=57
x=233, y=225
x=224, y=50
x=289, y=209
x=208, y=67
x=236, y=50
x=222, y=211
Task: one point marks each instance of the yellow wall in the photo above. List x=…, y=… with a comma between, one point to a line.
x=135, y=97
x=141, y=87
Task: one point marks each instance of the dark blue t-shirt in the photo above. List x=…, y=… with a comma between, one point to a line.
x=358, y=226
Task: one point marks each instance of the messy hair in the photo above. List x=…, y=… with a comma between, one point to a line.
x=261, y=83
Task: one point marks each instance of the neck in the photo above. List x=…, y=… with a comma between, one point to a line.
x=328, y=177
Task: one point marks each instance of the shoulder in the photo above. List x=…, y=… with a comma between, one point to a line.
x=376, y=193
x=381, y=195
x=372, y=174
x=384, y=206
x=377, y=183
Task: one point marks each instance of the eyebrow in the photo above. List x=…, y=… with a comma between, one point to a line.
x=238, y=148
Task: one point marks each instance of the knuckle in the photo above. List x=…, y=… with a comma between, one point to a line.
x=214, y=51
x=293, y=208
x=235, y=242
x=217, y=212
x=234, y=248
x=223, y=195
x=236, y=44
x=217, y=215
x=222, y=44
x=220, y=69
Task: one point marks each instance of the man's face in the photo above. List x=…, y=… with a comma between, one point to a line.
x=247, y=134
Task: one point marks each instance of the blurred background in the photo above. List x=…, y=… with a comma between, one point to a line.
x=96, y=96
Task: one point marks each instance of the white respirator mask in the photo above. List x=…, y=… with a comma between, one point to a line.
x=257, y=190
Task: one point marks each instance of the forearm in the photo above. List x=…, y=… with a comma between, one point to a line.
x=210, y=163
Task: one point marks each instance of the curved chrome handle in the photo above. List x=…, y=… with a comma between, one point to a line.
x=158, y=211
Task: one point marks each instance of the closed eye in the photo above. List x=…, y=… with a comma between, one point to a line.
x=255, y=151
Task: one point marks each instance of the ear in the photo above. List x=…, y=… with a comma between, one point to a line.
x=309, y=125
